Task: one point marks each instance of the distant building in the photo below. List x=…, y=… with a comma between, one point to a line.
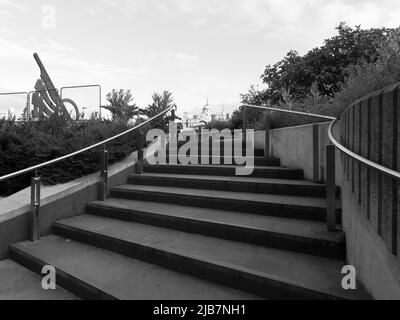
x=206, y=116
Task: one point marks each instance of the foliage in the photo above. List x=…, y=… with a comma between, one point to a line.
x=324, y=65
x=365, y=77
x=218, y=124
x=326, y=79
x=160, y=103
x=26, y=144
x=121, y=106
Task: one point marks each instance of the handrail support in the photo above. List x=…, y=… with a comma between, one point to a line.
x=267, y=120
x=139, y=165
x=330, y=188
x=104, y=174
x=35, y=208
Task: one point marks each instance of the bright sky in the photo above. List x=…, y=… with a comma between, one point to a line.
x=194, y=48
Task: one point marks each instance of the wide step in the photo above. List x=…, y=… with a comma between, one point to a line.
x=95, y=273
x=308, y=208
x=266, y=272
x=287, y=234
x=234, y=184
x=19, y=283
x=226, y=170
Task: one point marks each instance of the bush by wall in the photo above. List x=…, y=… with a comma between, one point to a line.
x=23, y=145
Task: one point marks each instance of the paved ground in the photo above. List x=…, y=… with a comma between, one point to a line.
x=19, y=283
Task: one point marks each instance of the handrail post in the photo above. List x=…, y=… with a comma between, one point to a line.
x=35, y=208
x=104, y=174
x=330, y=188
x=267, y=134
x=245, y=123
x=315, y=139
x=139, y=165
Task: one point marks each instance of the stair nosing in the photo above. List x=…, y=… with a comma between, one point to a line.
x=99, y=204
x=183, y=254
x=131, y=188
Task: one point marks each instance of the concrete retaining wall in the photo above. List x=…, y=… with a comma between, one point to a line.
x=57, y=202
x=370, y=128
x=294, y=146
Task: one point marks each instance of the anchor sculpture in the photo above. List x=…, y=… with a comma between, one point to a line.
x=46, y=99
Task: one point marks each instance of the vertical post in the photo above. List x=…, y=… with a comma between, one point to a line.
x=245, y=124
x=315, y=137
x=267, y=132
x=139, y=165
x=104, y=175
x=330, y=188
x=35, y=208
x=28, y=107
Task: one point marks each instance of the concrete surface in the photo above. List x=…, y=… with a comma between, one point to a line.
x=122, y=277
x=240, y=196
x=376, y=267
x=301, y=228
x=294, y=147
x=57, y=202
x=19, y=283
x=302, y=270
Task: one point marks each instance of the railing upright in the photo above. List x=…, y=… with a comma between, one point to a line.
x=103, y=192
x=140, y=162
x=267, y=134
x=245, y=122
x=35, y=208
x=331, y=187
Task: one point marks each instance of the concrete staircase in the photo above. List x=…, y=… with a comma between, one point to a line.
x=199, y=232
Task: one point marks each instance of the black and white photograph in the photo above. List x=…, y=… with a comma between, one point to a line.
x=199, y=158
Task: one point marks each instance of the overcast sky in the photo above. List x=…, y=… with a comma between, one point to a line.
x=194, y=48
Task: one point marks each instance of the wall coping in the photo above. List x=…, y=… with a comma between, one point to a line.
x=19, y=203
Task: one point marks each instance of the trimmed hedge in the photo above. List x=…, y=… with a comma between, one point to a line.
x=23, y=145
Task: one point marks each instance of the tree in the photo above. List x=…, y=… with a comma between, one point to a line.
x=325, y=65
x=160, y=103
x=296, y=81
x=121, y=106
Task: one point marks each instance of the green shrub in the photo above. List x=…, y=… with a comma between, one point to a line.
x=219, y=125
x=366, y=77
x=23, y=145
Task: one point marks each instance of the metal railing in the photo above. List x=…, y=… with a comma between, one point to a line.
x=85, y=86
x=29, y=95
x=330, y=155
x=35, y=182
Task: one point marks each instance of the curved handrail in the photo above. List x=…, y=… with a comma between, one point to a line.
x=99, y=144
x=387, y=171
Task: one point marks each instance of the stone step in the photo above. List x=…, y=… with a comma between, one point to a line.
x=209, y=160
x=96, y=273
x=286, y=234
x=307, y=208
x=226, y=170
x=234, y=184
x=261, y=271
x=20, y=283
x=256, y=152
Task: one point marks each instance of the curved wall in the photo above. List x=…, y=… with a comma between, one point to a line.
x=370, y=128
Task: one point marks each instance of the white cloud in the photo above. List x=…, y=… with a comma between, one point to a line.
x=250, y=16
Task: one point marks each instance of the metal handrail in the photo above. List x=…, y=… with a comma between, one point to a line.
x=387, y=171
x=99, y=144
x=290, y=111
x=85, y=86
